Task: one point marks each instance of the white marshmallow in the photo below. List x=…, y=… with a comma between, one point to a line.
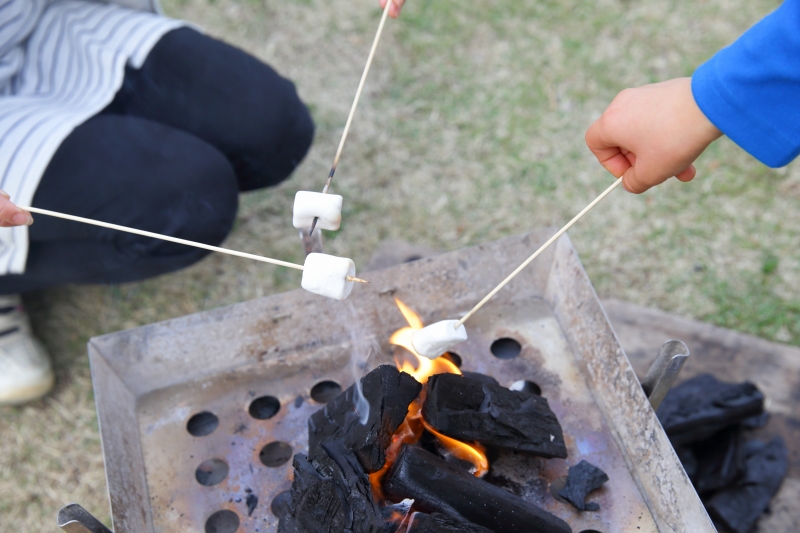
x=326, y=275
x=434, y=340
x=308, y=205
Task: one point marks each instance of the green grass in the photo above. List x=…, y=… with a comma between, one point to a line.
x=753, y=304
x=470, y=129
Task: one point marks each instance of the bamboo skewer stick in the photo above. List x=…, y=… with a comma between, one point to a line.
x=173, y=239
x=355, y=104
x=541, y=249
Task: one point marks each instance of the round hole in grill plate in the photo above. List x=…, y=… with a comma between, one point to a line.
x=590, y=531
x=264, y=407
x=211, y=472
x=506, y=348
x=555, y=486
x=325, y=391
x=453, y=358
x=275, y=454
x=202, y=424
x=526, y=386
x=280, y=504
x=222, y=522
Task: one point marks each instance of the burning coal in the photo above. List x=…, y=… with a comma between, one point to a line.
x=419, y=445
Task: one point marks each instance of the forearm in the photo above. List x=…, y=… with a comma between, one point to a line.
x=751, y=89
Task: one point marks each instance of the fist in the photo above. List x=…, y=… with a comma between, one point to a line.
x=651, y=133
x=394, y=10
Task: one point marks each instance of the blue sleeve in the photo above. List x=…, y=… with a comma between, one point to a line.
x=751, y=89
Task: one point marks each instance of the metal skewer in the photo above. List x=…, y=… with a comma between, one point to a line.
x=173, y=239
x=541, y=249
x=355, y=104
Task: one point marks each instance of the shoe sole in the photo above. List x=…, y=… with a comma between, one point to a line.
x=27, y=394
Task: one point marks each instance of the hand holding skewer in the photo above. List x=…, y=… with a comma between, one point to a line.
x=12, y=215
x=394, y=10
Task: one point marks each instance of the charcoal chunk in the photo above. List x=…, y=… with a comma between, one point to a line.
x=331, y=493
x=582, y=479
x=483, y=378
x=756, y=422
x=720, y=460
x=439, y=523
x=740, y=507
x=252, y=502
x=439, y=487
x=469, y=410
x=388, y=393
x=698, y=408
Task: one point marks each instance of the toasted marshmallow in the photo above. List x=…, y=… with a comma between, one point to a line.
x=326, y=275
x=434, y=340
x=309, y=205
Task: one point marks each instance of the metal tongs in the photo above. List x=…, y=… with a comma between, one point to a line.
x=664, y=371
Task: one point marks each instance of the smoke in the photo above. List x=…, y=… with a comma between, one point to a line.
x=363, y=346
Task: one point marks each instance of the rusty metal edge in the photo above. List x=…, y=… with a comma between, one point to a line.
x=126, y=481
x=675, y=505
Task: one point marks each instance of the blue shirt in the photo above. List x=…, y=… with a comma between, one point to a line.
x=751, y=89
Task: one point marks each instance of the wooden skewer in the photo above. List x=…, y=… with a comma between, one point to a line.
x=174, y=239
x=355, y=104
x=541, y=249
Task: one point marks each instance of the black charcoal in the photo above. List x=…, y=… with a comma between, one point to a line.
x=439, y=523
x=395, y=516
x=756, y=422
x=439, y=487
x=483, y=378
x=582, y=479
x=331, y=494
x=388, y=393
x=740, y=507
x=469, y=410
x=698, y=408
x=252, y=502
x=720, y=460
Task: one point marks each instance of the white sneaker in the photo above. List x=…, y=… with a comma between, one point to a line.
x=25, y=369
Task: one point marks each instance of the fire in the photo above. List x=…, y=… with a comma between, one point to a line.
x=421, y=368
x=410, y=431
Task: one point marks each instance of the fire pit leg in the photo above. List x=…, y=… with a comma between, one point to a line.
x=665, y=370
x=75, y=519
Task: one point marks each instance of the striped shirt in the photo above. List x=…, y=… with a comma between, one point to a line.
x=61, y=62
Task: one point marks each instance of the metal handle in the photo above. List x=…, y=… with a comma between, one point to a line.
x=75, y=519
x=664, y=371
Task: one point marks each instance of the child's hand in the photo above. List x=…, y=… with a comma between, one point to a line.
x=11, y=215
x=651, y=133
x=394, y=10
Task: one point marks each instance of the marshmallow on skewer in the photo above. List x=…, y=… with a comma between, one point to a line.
x=327, y=275
x=309, y=205
x=434, y=340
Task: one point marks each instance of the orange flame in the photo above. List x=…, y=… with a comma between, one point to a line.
x=420, y=367
x=410, y=431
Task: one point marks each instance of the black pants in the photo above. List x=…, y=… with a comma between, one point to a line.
x=198, y=123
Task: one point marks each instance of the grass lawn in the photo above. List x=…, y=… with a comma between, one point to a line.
x=470, y=129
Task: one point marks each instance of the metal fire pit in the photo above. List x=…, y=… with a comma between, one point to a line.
x=149, y=382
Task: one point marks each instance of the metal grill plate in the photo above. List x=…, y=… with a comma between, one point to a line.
x=149, y=381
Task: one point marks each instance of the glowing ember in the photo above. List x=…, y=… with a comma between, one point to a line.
x=410, y=431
